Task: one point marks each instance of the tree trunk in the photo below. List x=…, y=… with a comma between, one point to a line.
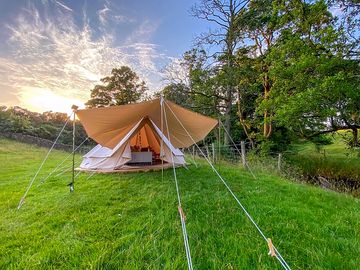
x=355, y=140
x=267, y=118
x=228, y=120
x=242, y=119
x=228, y=99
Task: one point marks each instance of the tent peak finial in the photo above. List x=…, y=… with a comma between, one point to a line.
x=162, y=99
x=74, y=107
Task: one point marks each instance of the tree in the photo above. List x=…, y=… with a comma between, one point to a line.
x=177, y=93
x=261, y=24
x=248, y=91
x=315, y=86
x=192, y=79
x=289, y=66
x=223, y=14
x=348, y=23
x=122, y=87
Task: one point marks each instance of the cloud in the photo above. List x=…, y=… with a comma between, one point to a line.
x=51, y=57
x=143, y=32
x=63, y=6
x=110, y=14
x=102, y=13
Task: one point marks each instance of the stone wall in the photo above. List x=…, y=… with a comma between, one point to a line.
x=41, y=142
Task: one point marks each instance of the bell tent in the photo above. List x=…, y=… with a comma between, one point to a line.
x=145, y=135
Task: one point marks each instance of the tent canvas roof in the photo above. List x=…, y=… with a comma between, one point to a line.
x=109, y=125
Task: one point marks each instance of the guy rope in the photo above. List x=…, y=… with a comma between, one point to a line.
x=181, y=212
x=237, y=149
x=272, y=249
x=22, y=200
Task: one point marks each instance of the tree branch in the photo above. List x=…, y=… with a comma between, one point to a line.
x=332, y=130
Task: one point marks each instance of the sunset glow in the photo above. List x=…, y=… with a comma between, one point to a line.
x=56, y=51
x=37, y=99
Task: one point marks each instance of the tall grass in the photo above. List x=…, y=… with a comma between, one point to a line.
x=337, y=164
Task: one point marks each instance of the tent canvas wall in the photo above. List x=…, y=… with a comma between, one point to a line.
x=144, y=135
x=154, y=125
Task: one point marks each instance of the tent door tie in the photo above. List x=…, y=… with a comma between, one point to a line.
x=22, y=201
x=271, y=248
x=182, y=214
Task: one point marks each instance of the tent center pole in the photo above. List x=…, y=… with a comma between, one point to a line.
x=71, y=185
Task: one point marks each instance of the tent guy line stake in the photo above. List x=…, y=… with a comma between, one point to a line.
x=181, y=212
x=278, y=255
x=22, y=200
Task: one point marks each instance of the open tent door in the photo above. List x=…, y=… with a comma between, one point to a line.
x=141, y=146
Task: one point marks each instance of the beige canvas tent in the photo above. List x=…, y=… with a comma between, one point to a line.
x=143, y=134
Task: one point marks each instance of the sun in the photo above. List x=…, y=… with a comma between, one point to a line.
x=42, y=99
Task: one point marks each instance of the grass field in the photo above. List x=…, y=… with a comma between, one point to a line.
x=336, y=150
x=335, y=162
x=131, y=221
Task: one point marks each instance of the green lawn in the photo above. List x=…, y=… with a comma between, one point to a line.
x=335, y=162
x=336, y=150
x=131, y=221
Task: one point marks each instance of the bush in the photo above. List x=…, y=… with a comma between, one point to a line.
x=341, y=174
x=320, y=141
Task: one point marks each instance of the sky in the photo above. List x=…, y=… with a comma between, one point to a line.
x=52, y=52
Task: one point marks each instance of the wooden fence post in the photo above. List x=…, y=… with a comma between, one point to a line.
x=207, y=150
x=243, y=154
x=219, y=154
x=279, y=162
x=213, y=152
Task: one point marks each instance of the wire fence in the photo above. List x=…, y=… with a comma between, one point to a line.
x=230, y=153
x=251, y=160
x=317, y=169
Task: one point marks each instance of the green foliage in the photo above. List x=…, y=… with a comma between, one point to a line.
x=312, y=83
x=279, y=142
x=46, y=131
x=131, y=221
x=348, y=138
x=122, y=87
x=177, y=93
x=292, y=70
x=46, y=125
x=320, y=141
